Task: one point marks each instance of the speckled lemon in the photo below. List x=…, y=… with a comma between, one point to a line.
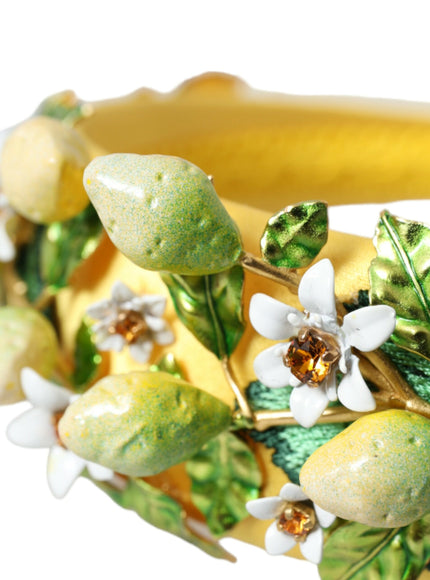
x=163, y=213
x=27, y=340
x=42, y=165
x=141, y=423
x=376, y=472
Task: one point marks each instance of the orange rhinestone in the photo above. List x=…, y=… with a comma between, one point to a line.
x=130, y=325
x=310, y=357
x=298, y=520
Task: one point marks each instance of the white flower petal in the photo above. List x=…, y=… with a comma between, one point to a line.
x=121, y=293
x=269, y=317
x=100, y=310
x=316, y=289
x=293, y=492
x=270, y=368
x=42, y=393
x=307, y=404
x=369, y=327
x=164, y=337
x=113, y=342
x=312, y=547
x=325, y=518
x=141, y=351
x=64, y=467
x=99, y=472
x=7, y=248
x=265, y=508
x=155, y=324
x=353, y=392
x=331, y=387
x=278, y=542
x=34, y=429
x=152, y=304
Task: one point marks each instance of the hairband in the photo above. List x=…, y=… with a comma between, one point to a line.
x=225, y=361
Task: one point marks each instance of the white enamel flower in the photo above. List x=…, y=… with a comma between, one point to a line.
x=7, y=247
x=37, y=428
x=317, y=347
x=297, y=520
x=127, y=319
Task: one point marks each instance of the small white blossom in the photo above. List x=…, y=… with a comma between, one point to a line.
x=7, y=247
x=364, y=329
x=127, y=319
x=36, y=428
x=289, y=509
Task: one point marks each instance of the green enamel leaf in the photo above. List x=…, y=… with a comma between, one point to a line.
x=87, y=358
x=400, y=277
x=292, y=445
x=224, y=476
x=357, y=552
x=210, y=307
x=54, y=252
x=27, y=264
x=66, y=244
x=295, y=235
x=168, y=364
x=64, y=106
x=161, y=511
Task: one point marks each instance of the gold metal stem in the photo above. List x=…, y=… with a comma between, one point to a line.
x=288, y=278
x=265, y=419
x=245, y=409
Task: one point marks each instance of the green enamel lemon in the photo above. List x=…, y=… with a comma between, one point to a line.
x=376, y=472
x=43, y=162
x=163, y=213
x=27, y=340
x=141, y=423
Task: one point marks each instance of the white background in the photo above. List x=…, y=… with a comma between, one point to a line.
x=106, y=49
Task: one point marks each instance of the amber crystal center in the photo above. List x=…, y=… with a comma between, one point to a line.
x=130, y=324
x=297, y=519
x=311, y=355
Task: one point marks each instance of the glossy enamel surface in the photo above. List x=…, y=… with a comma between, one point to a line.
x=163, y=213
x=376, y=472
x=141, y=423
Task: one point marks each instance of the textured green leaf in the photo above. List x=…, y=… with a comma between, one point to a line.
x=64, y=106
x=27, y=264
x=293, y=445
x=357, y=552
x=224, y=476
x=210, y=307
x=66, y=244
x=400, y=277
x=295, y=235
x=161, y=511
x=86, y=357
x=51, y=255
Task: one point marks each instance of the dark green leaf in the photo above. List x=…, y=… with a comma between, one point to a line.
x=293, y=445
x=210, y=307
x=224, y=476
x=161, y=511
x=400, y=277
x=28, y=264
x=356, y=552
x=64, y=106
x=66, y=244
x=87, y=358
x=295, y=235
